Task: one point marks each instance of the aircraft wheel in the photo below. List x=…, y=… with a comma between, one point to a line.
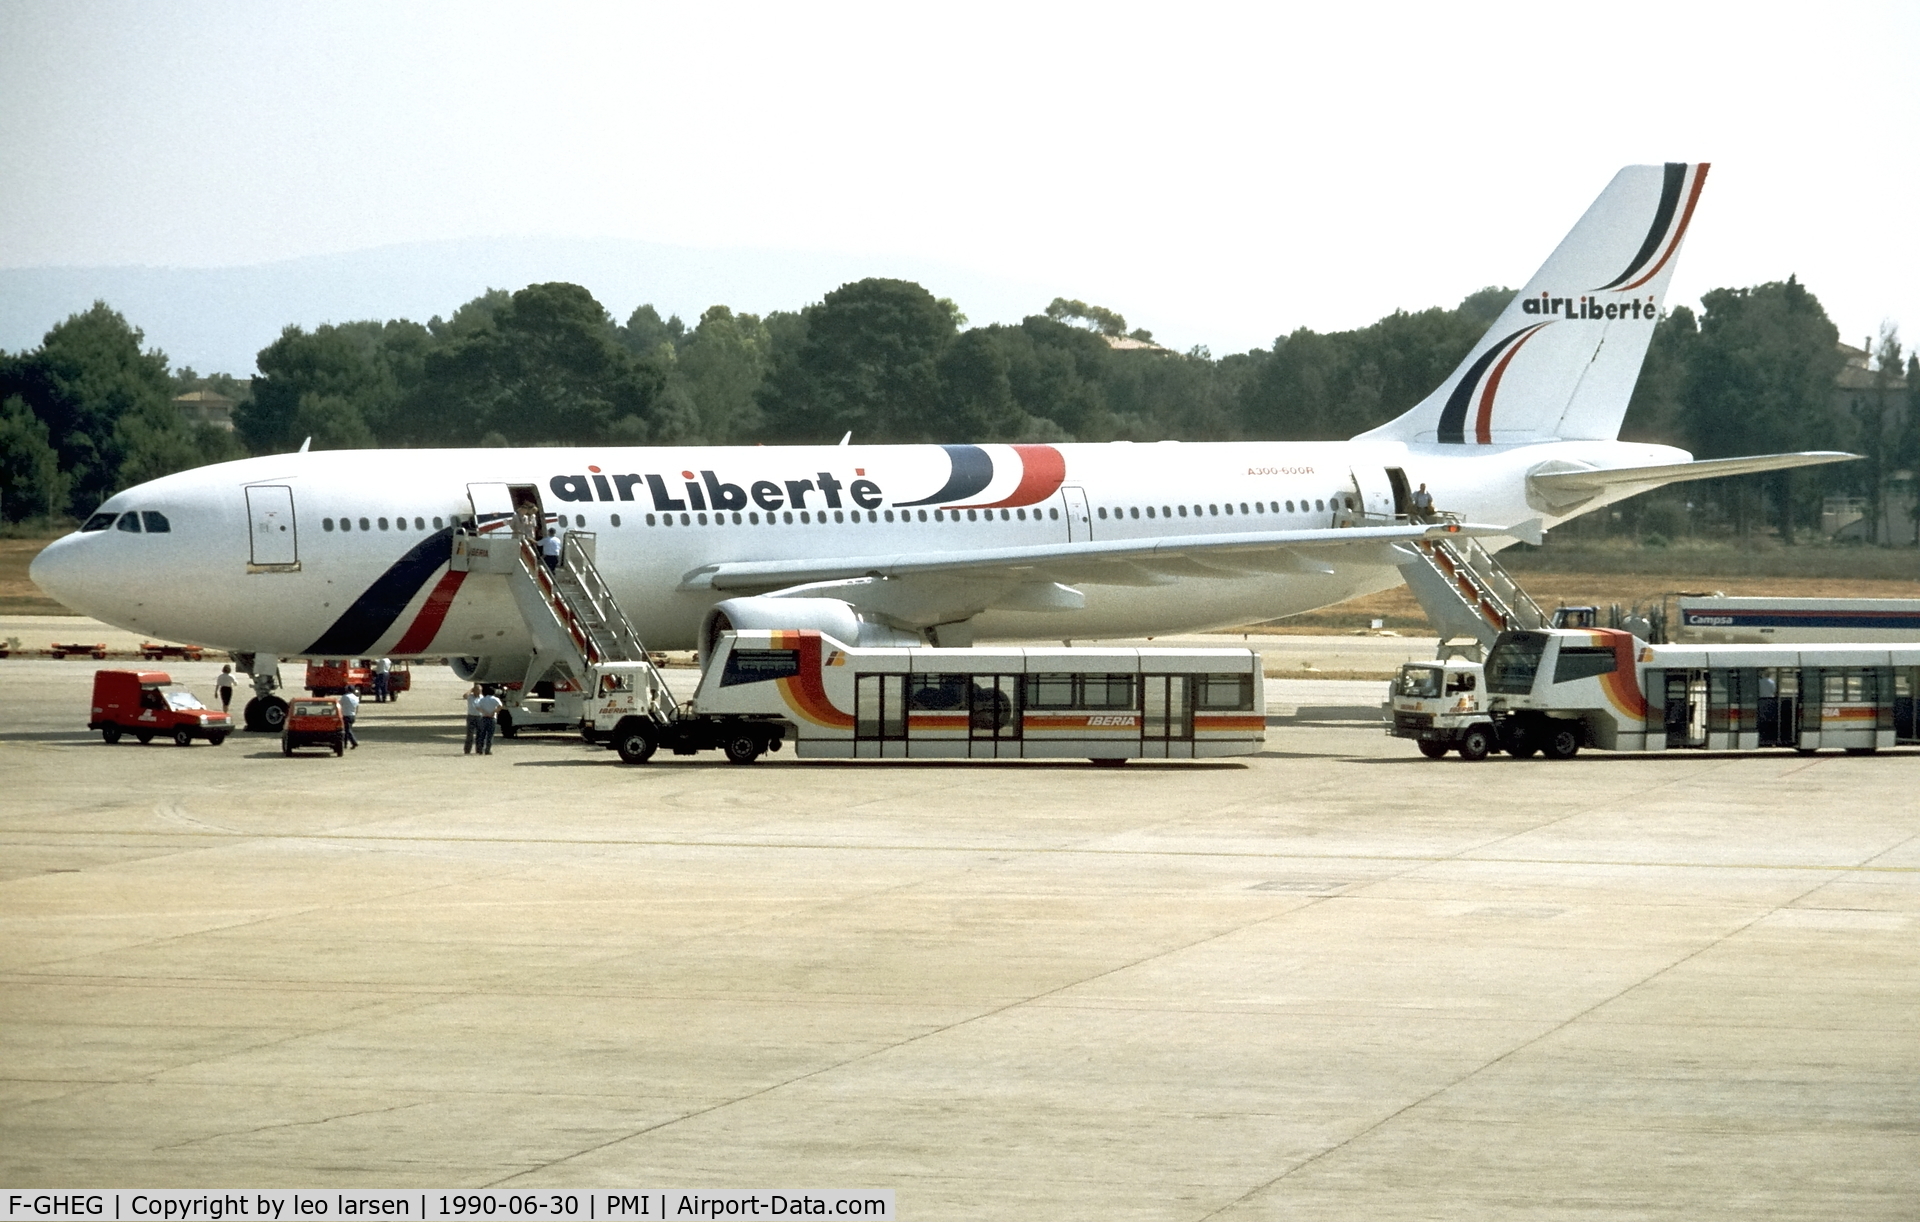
x=1563, y=742
x=111, y=734
x=1432, y=748
x=182, y=737
x=742, y=749
x=634, y=745
x=273, y=714
x=1476, y=744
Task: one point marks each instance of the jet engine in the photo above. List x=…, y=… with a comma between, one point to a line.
x=839, y=620
x=494, y=668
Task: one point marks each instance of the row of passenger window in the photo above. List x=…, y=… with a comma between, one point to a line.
x=1203, y=511
x=132, y=521
x=347, y=524
x=809, y=517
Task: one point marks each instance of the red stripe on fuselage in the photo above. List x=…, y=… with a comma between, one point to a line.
x=433, y=613
x=1042, y=470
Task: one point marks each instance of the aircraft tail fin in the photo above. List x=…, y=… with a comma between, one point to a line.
x=1562, y=359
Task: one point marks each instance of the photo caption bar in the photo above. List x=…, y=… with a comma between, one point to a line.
x=439, y=1204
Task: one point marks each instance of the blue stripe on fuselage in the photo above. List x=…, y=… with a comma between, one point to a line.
x=972, y=471
x=371, y=614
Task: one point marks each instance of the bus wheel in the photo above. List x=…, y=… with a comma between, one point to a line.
x=1109, y=763
x=742, y=749
x=1563, y=742
x=1861, y=750
x=1475, y=744
x=1432, y=748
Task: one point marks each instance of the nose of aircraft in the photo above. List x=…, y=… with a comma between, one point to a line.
x=69, y=576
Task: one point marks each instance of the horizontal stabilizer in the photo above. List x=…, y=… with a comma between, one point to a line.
x=1563, y=485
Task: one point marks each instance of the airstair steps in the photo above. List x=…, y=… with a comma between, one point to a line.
x=1466, y=593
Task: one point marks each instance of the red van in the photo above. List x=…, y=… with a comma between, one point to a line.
x=136, y=702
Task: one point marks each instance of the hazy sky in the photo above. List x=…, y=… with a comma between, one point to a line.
x=1219, y=174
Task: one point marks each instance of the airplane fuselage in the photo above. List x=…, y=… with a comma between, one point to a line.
x=355, y=563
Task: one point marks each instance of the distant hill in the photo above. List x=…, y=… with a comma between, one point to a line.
x=217, y=318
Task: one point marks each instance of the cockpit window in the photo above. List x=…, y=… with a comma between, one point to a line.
x=157, y=523
x=130, y=522
x=100, y=521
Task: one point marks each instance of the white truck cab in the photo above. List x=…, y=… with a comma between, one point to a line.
x=1441, y=706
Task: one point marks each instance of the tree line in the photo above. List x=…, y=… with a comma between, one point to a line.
x=87, y=412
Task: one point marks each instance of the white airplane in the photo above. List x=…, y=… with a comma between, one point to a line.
x=346, y=553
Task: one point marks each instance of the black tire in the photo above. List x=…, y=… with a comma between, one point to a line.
x=182, y=737
x=633, y=744
x=145, y=736
x=339, y=747
x=1432, y=748
x=1562, y=741
x=111, y=734
x=214, y=740
x=1861, y=750
x=1476, y=743
x=505, y=723
x=742, y=749
x=273, y=714
x=286, y=746
x=250, y=719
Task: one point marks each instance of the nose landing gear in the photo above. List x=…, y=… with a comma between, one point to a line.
x=266, y=713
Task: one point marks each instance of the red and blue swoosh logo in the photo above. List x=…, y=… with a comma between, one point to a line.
x=1042, y=470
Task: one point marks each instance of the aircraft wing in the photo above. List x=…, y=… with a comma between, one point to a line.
x=1115, y=562
x=1566, y=485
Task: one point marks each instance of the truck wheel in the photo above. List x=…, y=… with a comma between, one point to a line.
x=505, y=722
x=273, y=714
x=182, y=737
x=1563, y=742
x=339, y=746
x=634, y=745
x=1432, y=748
x=286, y=746
x=111, y=734
x=742, y=749
x=1476, y=743
x=214, y=740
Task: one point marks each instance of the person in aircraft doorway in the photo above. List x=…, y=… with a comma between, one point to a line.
x=1423, y=505
x=550, y=549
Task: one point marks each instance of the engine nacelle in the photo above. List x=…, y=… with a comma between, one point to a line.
x=837, y=619
x=494, y=668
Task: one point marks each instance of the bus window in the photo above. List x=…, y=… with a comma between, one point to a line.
x=1513, y=662
x=1582, y=662
x=1106, y=692
x=759, y=665
x=938, y=692
x=1050, y=691
x=1223, y=692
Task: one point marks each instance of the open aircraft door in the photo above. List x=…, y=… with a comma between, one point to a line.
x=494, y=505
x=274, y=536
x=1380, y=494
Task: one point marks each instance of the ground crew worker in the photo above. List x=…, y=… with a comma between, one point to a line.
x=550, y=549
x=1423, y=505
x=381, y=670
x=349, y=708
x=473, y=718
x=224, y=686
x=487, y=706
